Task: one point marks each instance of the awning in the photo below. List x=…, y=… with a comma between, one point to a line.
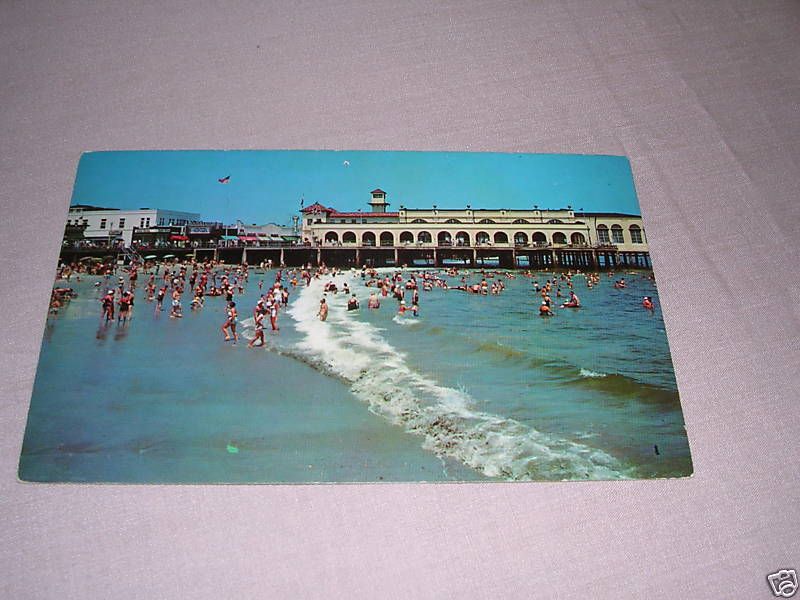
x=290, y=238
x=230, y=238
x=248, y=238
x=179, y=238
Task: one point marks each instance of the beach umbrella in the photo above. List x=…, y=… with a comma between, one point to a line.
x=150, y=257
x=169, y=256
x=90, y=259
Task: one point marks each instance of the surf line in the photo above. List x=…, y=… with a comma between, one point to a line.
x=378, y=374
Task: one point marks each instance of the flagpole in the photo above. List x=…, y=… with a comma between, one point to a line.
x=298, y=219
x=228, y=199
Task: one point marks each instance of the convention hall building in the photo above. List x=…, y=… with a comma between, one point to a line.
x=534, y=237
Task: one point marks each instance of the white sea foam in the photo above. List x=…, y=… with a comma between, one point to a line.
x=588, y=373
x=405, y=321
x=447, y=418
x=247, y=328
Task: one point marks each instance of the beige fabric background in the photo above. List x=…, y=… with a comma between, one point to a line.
x=704, y=98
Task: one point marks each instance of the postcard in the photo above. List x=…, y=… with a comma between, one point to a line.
x=353, y=316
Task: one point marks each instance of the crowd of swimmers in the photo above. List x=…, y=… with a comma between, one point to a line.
x=565, y=281
x=214, y=279
x=394, y=285
x=173, y=280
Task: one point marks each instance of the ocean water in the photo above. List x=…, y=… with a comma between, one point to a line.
x=587, y=394
x=475, y=388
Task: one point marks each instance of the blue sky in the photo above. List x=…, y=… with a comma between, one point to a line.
x=267, y=185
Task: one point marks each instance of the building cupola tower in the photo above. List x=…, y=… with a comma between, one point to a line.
x=378, y=202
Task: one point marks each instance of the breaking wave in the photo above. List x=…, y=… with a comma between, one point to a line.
x=378, y=374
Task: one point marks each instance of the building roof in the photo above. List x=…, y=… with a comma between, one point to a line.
x=364, y=214
x=377, y=191
x=606, y=214
x=89, y=207
x=316, y=208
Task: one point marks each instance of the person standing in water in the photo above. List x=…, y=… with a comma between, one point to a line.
x=323, y=310
x=131, y=300
x=229, y=327
x=373, y=301
x=177, y=309
x=259, y=308
x=259, y=320
x=574, y=301
x=124, y=307
x=273, y=316
x=160, y=298
x=108, y=305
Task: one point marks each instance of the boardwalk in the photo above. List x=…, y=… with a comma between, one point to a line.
x=558, y=256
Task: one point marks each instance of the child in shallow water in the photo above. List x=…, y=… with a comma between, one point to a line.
x=323, y=310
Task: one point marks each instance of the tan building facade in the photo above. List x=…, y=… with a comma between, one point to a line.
x=470, y=228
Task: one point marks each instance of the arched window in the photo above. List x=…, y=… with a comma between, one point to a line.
x=452, y=221
x=406, y=237
x=577, y=238
x=559, y=238
x=387, y=239
x=636, y=234
x=616, y=234
x=602, y=234
x=481, y=237
x=348, y=237
x=462, y=238
x=500, y=238
x=418, y=221
x=521, y=238
x=520, y=221
x=555, y=221
x=367, y=238
x=444, y=239
x=331, y=237
x=539, y=239
x=424, y=237
x=485, y=221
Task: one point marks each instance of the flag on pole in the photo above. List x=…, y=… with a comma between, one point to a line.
x=302, y=200
x=225, y=179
